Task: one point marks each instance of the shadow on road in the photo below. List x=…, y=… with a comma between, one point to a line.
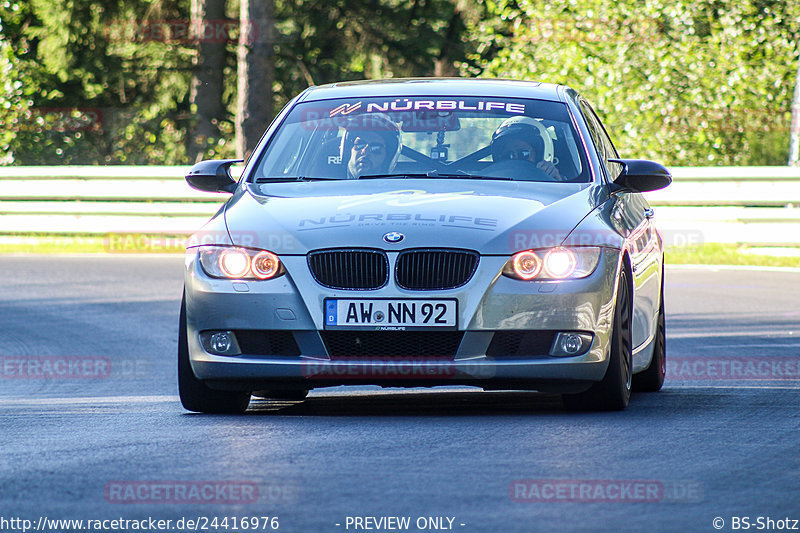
x=674, y=402
x=667, y=404
x=413, y=404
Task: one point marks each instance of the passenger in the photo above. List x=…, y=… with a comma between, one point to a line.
x=371, y=145
x=522, y=138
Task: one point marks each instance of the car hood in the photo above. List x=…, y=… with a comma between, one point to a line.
x=493, y=217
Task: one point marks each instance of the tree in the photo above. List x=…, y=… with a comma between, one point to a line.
x=323, y=41
x=15, y=113
x=684, y=81
x=689, y=82
x=794, y=144
x=126, y=82
x=209, y=33
x=256, y=76
x=111, y=80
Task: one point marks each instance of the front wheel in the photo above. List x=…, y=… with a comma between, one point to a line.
x=196, y=395
x=614, y=391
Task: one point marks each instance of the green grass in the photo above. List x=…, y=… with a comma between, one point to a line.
x=706, y=254
x=91, y=244
x=725, y=254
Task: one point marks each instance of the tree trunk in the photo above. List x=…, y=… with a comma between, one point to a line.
x=209, y=30
x=794, y=144
x=255, y=57
x=444, y=66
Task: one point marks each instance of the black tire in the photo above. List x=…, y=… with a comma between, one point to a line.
x=652, y=379
x=614, y=391
x=287, y=395
x=194, y=394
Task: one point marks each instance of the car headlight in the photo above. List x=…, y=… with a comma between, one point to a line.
x=553, y=263
x=239, y=263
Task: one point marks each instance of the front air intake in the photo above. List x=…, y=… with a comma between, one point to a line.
x=382, y=344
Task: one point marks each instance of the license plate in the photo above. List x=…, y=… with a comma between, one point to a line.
x=386, y=314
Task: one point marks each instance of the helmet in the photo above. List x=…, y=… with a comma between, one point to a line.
x=527, y=129
x=377, y=124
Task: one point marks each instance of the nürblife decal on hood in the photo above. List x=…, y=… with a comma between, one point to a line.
x=400, y=198
x=383, y=214
x=343, y=220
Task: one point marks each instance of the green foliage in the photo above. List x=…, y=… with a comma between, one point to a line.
x=98, y=87
x=324, y=41
x=21, y=79
x=109, y=83
x=689, y=82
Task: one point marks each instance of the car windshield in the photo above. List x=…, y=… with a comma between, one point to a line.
x=425, y=137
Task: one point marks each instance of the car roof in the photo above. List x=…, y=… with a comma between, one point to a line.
x=400, y=87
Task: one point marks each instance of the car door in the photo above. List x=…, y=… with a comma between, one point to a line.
x=635, y=216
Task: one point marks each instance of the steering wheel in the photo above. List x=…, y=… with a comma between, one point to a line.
x=517, y=169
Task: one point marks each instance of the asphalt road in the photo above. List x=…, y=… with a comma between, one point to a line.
x=108, y=439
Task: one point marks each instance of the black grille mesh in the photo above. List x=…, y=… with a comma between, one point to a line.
x=435, y=269
x=520, y=343
x=267, y=342
x=349, y=269
x=374, y=344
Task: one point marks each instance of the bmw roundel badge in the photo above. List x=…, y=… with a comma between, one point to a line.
x=393, y=237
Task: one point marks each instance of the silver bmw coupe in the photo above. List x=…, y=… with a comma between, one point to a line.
x=427, y=232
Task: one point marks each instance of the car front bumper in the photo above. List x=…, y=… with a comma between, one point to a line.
x=489, y=306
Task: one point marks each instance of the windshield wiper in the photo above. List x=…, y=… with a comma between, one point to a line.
x=434, y=174
x=407, y=175
x=482, y=177
x=279, y=179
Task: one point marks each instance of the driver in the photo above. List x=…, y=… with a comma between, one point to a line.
x=371, y=145
x=521, y=138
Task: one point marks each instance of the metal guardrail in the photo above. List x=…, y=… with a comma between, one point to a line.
x=754, y=205
x=731, y=186
x=747, y=205
x=99, y=200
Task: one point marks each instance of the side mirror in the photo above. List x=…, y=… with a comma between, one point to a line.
x=213, y=175
x=640, y=175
